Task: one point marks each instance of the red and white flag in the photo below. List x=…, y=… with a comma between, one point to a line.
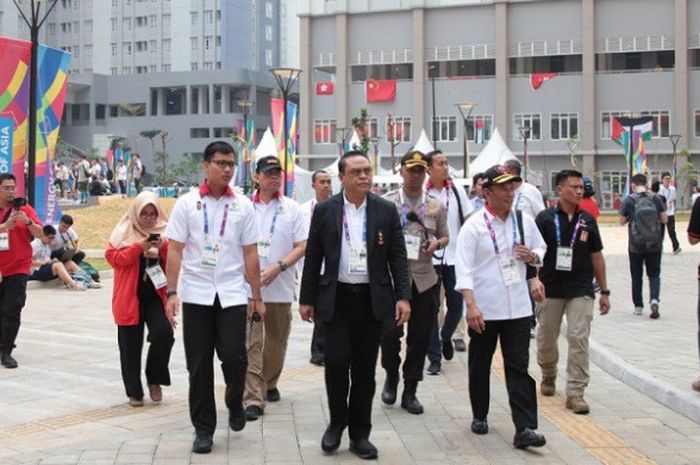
x=537, y=79
x=380, y=90
x=324, y=88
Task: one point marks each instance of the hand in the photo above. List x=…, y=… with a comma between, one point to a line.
x=307, y=312
x=475, y=319
x=537, y=290
x=403, y=311
x=257, y=307
x=171, y=309
x=269, y=274
x=431, y=246
x=522, y=253
x=604, y=304
x=19, y=217
x=152, y=252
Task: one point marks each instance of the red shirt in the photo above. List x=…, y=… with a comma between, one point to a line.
x=18, y=260
x=589, y=205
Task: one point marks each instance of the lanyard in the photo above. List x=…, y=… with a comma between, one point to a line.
x=517, y=200
x=206, y=220
x=404, y=210
x=558, y=229
x=346, y=228
x=492, y=232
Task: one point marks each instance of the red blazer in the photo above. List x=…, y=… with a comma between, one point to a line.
x=126, y=262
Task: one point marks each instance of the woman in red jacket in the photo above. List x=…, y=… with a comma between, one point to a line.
x=138, y=252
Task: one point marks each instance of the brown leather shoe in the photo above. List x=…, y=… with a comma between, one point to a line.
x=155, y=391
x=577, y=405
x=696, y=385
x=547, y=386
x=135, y=402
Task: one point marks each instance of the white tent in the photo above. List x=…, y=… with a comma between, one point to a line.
x=354, y=140
x=496, y=152
x=267, y=145
x=423, y=144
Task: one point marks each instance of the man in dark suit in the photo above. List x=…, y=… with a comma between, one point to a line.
x=360, y=237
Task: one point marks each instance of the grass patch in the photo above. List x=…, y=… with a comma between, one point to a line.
x=100, y=264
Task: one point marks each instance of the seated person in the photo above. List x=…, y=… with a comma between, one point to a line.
x=66, y=245
x=46, y=268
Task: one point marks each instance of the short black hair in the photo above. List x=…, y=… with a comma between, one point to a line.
x=431, y=154
x=655, y=186
x=344, y=159
x=514, y=165
x=664, y=174
x=563, y=175
x=67, y=219
x=476, y=177
x=49, y=230
x=7, y=176
x=219, y=146
x=316, y=173
x=639, y=180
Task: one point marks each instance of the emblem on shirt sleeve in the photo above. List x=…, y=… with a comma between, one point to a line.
x=584, y=235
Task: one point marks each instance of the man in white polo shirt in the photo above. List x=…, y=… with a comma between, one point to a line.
x=213, y=237
x=282, y=242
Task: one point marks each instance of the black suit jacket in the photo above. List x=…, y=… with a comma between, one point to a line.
x=386, y=257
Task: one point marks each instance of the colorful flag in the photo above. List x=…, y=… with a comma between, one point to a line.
x=537, y=79
x=641, y=131
x=291, y=143
x=479, y=131
x=380, y=90
x=324, y=88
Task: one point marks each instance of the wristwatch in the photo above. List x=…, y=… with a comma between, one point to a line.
x=169, y=294
x=283, y=266
x=605, y=292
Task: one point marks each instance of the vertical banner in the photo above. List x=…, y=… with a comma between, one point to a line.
x=7, y=127
x=277, y=106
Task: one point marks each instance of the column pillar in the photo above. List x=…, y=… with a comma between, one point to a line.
x=587, y=126
x=502, y=70
x=342, y=70
x=305, y=82
x=680, y=118
x=419, y=71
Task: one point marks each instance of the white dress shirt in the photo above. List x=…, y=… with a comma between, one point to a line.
x=670, y=195
x=528, y=198
x=66, y=239
x=478, y=268
x=447, y=198
x=200, y=284
x=357, y=221
x=40, y=251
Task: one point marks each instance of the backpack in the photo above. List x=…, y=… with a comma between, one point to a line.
x=143, y=169
x=645, y=225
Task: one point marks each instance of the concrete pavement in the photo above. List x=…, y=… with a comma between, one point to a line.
x=65, y=403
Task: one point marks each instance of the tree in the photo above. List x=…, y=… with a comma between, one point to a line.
x=161, y=161
x=151, y=134
x=360, y=124
x=187, y=170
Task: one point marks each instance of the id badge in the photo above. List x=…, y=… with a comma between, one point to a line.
x=157, y=276
x=565, y=257
x=358, y=260
x=412, y=246
x=264, y=250
x=509, y=270
x=210, y=253
x=4, y=241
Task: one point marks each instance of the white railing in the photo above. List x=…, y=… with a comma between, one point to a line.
x=460, y=52
x=634, y=44
x=545, y=48
x=381, y=57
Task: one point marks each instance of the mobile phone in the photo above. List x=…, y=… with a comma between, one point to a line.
x=153, y=237
x=19, y=202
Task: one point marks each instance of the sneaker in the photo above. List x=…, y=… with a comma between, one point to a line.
x=460, y=345
x=155, y=392
x=677, y=251
x=654, y=309
x=8, y=361
x=95, y=285
x=548, y=386
x=638, y=310
x=577, y=405
x=434, y=368
x=696, y=385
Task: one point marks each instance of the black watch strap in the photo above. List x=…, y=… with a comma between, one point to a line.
x=605, y=292
x=170, y=293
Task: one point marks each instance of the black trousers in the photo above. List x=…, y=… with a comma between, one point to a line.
x=671, y=226
x=420, y=327
x=13, y=294
x=205, y=328
x=318, y=340
x=454, y=312
x=352, y=344
x=160, y=339
x=514, y=336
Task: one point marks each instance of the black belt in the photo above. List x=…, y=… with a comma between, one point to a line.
x=358, y=287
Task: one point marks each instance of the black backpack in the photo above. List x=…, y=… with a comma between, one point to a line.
x=645, y=225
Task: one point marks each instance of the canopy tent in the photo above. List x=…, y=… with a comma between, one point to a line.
x=267, y=145
x=496, y=152
x=423, y=143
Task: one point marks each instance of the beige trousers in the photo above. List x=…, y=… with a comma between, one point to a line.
x=267, y=346
x=579, y=314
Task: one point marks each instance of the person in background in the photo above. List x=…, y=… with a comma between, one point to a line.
x=136, y=171
x=138, y=253
x=588, y=202
x=668, y=191
x=122, y=177
x=478, y=194
x=694, y=238
x=62, y=174
x=45, y=268
x=83, y=169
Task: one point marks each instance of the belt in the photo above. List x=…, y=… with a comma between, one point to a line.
x=357, y=287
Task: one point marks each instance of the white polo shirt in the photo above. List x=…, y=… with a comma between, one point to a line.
x=307, y=210
x=528, y=198
x=66, y=239
x=670, y=195
x=200, y=284
x=356, y=219
x=478, y=269
x=449, y=202
x=289, y=227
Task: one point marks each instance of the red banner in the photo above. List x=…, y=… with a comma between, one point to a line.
x=380, y=91
x=537, y=79
x=324, y=88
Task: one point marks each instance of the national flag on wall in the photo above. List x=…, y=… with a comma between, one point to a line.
x=641, y=131
x=380, y=90
x=479, y=139
x=537, y=79
x=324, y=88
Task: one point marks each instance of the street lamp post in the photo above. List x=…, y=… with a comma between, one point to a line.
x=246, y=106
x=525, y=134
x=374, y=140
x=465, y=109
x=433, y=68
x=573, y=145
x=34, y=22
x=285, y=78
x=674, y=138
x=342, y=134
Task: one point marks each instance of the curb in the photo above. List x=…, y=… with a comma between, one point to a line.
x=106, y=274
x=685, y=403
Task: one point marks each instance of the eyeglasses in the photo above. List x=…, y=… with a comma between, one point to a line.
x=223, y=164
x=9, y=188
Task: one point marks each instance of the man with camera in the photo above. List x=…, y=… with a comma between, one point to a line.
x=18, y=223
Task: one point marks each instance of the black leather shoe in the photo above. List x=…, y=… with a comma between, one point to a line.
x=8, y=361
x=273, y=395
x=448, y=350
x=389, y=391
x=331, y=438
x=434, y=368
x=460, y=345
x=317, y=359
x=363, y=449
x=236, y=418
x=480, y=426
x=528, y=438
x=253, y=412
x=202, y=444
x=409, y=402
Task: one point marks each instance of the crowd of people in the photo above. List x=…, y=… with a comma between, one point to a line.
x=372, y=269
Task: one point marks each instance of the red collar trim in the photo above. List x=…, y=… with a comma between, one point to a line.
x=256, y=196
x=446, y=184
x=204, y=190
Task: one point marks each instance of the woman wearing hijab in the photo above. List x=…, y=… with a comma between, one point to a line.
x=138, y=252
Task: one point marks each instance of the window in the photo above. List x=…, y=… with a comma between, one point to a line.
x=268, y=57
x=100, y=111
x=141, y=69
x=445, y=128
x=564, y=126
x=697, y=123
x=88, y=27
x=51, y=27
x=208, y=65
x=76, y=51
x=126, y=47
x=606, y=118
x=395, y=71
x=527, y=120
x=152, y=46
x=461, y=68
x=114, y=49
x=324, y=131
x=114, y=24
x=194, y=66
x=223, y=132
x=165, y=68
x=66, y=27
x=546, y=64
x=152, y=68
x=88, y=51
x=126, y=69
x=141, y=21
x=166, y=45
x=479, y=128
x=268, y=32
x=208, y=42
x=372, y=127
x=194, y=43
x=166, y=22
x=218, y=41
x=76, y=27
x=268, y=9
x=209, y=16
x=693, y=57
x=153, y=20
x=199, y=133
x=113, y=71
x=175, y=98
x=633, y=61
x=141, y=46
x=401, y=131
x=660, y=120
x=127, y=24
x=195, y=17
